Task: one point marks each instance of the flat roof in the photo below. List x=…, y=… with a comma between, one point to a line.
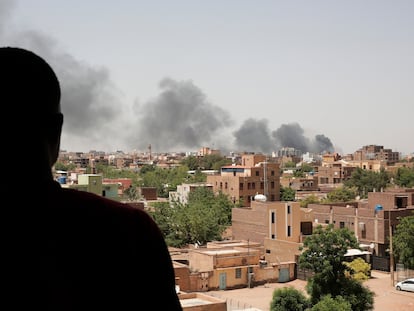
x=222, y=251
x=194, y=302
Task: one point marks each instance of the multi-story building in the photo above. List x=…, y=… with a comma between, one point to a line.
x=373, y=221
x=255, y=175
x=279, y=226
x=375, y=152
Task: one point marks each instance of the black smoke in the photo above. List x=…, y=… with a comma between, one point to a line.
x=179, y=118
x=253, y=135
x=90, y=100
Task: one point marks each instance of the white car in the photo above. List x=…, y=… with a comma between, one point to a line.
x=407, y=285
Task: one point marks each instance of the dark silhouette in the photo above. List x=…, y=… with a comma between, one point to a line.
x=67, y=249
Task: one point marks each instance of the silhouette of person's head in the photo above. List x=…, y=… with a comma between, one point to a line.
x=30, y=93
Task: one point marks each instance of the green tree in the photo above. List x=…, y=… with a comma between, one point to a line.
x=191, y=162
x=341, y=194
x=309, y=200
x=324, y=253
x=404, y=177
x=287, y=194
x=327, y=303
x=164, y=180
x=132, y=194
x=59, y=166
x=207, y=162
x=289, y=299
x=358, y=269
x=403, y=242
x=366, y=181
x=204, y=218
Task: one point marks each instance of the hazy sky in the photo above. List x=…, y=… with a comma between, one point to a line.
x=230, y=74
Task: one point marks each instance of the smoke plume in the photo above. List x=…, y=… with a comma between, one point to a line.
x=179, y=118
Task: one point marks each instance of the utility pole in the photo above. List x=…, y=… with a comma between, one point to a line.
x=391, y=252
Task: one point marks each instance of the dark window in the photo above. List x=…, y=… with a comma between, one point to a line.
x=238, y=273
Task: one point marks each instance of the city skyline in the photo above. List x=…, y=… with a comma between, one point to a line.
x=231, y=75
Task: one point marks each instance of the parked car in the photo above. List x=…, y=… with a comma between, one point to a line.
x=407, y=285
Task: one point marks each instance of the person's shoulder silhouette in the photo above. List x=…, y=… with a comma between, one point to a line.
x=70, y=249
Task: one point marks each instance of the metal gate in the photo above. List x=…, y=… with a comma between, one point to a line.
x=283, y=275
x=223, y=279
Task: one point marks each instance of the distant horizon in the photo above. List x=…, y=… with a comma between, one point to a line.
x=242, y=75
x=226, y=153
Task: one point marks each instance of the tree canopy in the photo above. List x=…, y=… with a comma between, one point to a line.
x=403, y=242
x=366, y=181
x=204, y=218
x=324, y=253
x=287, y=299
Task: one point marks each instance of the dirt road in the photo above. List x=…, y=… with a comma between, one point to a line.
x=386, y=298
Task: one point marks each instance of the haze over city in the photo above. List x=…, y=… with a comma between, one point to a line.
x=231, y=75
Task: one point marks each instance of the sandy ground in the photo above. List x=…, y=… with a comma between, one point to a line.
x=386, y=298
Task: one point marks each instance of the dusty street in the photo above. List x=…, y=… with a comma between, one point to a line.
x=387, y=298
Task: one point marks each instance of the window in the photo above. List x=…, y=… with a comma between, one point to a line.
x=272, y=173
x=341, y=224
x=273, y=217
x=272, y=185
x=238, y=273
x=257, y=173
x=288, y=209
x=241, y=186
x=289, y=231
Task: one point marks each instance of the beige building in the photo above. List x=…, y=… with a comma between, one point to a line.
x=242, y=182
x=372, y=220
x=279, y=226
x=183, y=191
x=201, y=302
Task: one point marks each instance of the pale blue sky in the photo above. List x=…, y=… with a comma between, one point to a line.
x=237, y=75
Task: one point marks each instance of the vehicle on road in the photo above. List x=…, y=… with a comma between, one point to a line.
x=407, y=285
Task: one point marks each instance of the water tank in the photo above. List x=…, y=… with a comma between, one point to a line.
x=260, y=197
x=61, y=179
x=378, y=208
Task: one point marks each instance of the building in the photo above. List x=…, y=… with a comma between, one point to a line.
x=183, y=191
x=375, y=152
x=279, y=226
x=201, y=302
x=373, y=221
x=255, y=175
